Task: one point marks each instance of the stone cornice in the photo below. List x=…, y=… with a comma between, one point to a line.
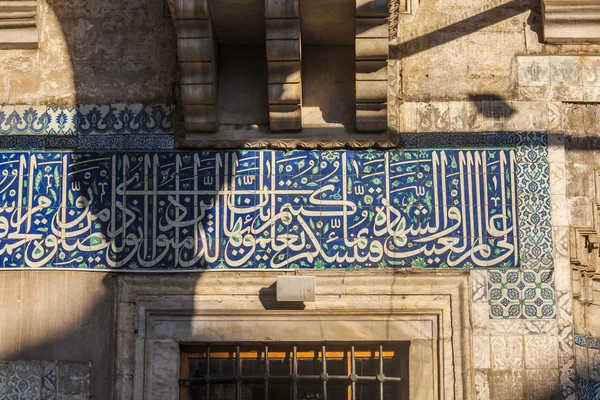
x=571, y=21
x=18, y=24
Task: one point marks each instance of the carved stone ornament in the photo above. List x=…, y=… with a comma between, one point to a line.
x=376, y=25
x=585, y=251
x=571, y=21
x=18, y=24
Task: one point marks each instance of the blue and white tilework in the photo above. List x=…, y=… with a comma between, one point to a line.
x=114, y=119
x=587, y=388
x=521, y=293
x=259, y=209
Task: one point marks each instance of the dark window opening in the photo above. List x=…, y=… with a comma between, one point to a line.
x=333, y=371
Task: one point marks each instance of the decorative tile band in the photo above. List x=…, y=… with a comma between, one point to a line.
x=260, y=209
x=584, y=341
x=44, y=380
x=588, y=390
x=561, y=78
x=87, y=119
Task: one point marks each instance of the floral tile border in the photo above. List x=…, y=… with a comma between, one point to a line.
x=91, y=119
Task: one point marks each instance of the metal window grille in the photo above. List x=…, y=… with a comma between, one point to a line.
x=357, y=371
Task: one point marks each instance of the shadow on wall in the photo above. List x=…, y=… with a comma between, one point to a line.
x=70, y=316
x=119, y=51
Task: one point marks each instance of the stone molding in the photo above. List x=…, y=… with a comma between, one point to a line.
x=284, y=64
x=372, y=54
x=18, y=24
x=156, y=314
x=571, y=21
x=196, y=52
x=585, y=242
x=377, y=25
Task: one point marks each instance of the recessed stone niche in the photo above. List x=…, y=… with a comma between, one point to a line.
x=430, y=311
x=265, y=66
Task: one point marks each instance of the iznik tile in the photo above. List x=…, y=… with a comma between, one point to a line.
x=62, y=121
x=260, y=209
x=527, y=294
x=23, y=120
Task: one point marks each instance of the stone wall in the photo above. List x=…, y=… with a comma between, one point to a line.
x=94, y=52
x=57, y=316
x=461, y=66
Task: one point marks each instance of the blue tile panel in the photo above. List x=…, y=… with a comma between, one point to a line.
x=588, y=390
x=263, y=209
x=114, y=119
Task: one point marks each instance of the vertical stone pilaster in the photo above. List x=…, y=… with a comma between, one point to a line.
x=284, y=63
x=197, y=53
x=372, y=53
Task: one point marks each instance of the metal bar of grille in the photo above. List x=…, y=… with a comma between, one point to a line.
x=294, y=374
x=207, y=372
x=353, y=373
x=266, y=375
x=324, y=374
x=238, y=374
x=352, y=377
x=381, y=377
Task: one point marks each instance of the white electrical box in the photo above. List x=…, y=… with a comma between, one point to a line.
x=296, y=288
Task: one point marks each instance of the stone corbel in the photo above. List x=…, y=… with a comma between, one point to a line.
x=372, y=53
x=571, y=21
x=585, y=253
x=197, y=55
x=284, y=63
x=18, y=24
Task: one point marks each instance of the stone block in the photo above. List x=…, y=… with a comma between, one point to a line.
x=372, y=8
x=481, y=352
x=541, y=351
x=285, y=93
x=284, y=71
x=198, y=94
x=283, y=50
x=372, y=70
x=285, y=117
x=482, y=385
x=508, y=385
x=282, y=9
x=371, y=117
x=566, y=70
x=278, y=29
x=201, y=49
x=371, y=49
x=73, y=379
x=186, y=9
x=372, y=28
x=542, y=384
x=197, y=72
x=371, y=91
x=507, y=353
x=534, y=71
x=200, y=117
x=193, y=29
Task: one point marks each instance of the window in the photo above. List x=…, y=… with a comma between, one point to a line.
x=334, y=371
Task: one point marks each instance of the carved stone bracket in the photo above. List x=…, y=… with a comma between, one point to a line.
x=18, y=24
x=571, y=21
x=585, y=252
x=284, y=63
x=372, y=53
x=196, y=50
